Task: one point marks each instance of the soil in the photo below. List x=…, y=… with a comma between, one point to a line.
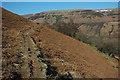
x=60, y=48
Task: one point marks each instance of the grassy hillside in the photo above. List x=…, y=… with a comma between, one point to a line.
x=35, y=51
x=99, y=28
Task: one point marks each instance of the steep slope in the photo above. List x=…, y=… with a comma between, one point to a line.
x=97, y=27
x=28, y=46
x=17, y=60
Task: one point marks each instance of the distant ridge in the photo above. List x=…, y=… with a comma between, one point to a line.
x=27, y=45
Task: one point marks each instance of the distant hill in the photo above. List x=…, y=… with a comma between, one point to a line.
x=31, y=50
x=97, y=27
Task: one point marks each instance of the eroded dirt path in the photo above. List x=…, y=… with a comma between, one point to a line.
x=32, y=67
x=67, y=50
x=89, y=63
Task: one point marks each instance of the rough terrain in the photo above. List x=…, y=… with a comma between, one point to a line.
x=34, y=51
x=97, y=27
